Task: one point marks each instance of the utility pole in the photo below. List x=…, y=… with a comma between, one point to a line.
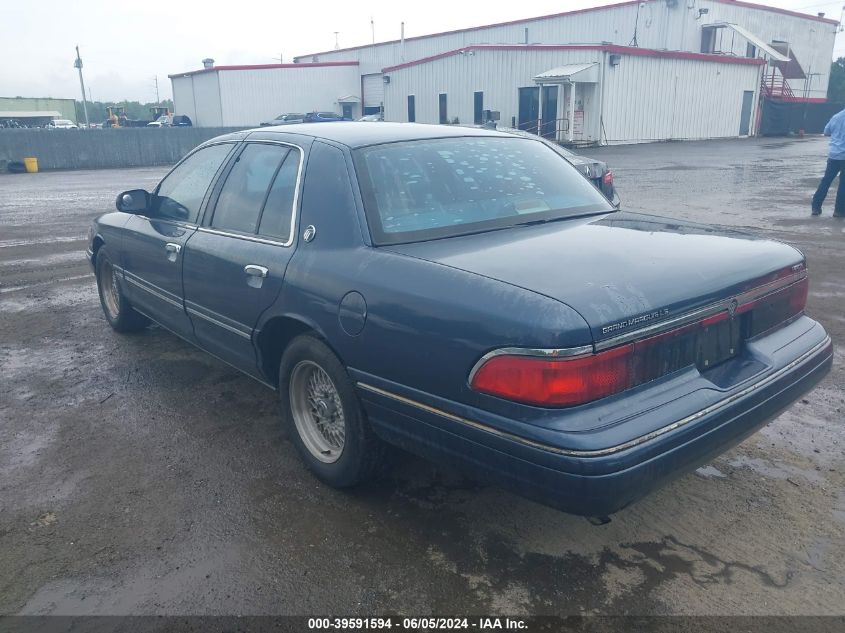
x=373, y=27
x=78, y=65
x=158, y=101
x=336, y=45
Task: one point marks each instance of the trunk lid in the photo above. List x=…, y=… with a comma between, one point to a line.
x=622, y=271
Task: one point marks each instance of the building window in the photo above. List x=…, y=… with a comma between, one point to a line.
x=708, y=39
x=412, y=109
x=750, y=50
x=478, y=107
x=444, y=118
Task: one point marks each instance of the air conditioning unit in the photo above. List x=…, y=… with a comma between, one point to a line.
x=386, y=79
x=614, y=59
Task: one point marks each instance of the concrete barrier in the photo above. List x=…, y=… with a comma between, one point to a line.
x=99, y=149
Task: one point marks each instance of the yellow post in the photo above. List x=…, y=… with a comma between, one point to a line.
x=31, y=165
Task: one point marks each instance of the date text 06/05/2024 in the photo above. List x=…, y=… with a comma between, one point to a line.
x=417, y=624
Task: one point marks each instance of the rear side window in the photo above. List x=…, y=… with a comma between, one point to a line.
x=246, y=188
x=181, y=192
x=276, y=218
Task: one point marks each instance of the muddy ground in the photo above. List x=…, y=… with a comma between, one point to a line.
x=139, y=475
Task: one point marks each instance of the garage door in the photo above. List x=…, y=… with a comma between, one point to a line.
x=373, y=90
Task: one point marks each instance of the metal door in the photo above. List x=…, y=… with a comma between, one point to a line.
x=153, y=244
x=236, y=261
x=745, y=114
x=529, y=108
x=373, y=88
x=549, y=127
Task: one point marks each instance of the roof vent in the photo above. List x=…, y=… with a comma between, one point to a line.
x=821, y=14
x=208, y=63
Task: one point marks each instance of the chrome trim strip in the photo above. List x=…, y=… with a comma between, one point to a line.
x=611, y=449
x=720, y=306
x=650, y=330
x=566, y=352
x=179, y=223
x=294, y=211
x=241, y=236
x=225, y=326
x=144, y=286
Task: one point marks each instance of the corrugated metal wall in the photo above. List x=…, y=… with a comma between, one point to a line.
x=646, y=98
x=245, y=98
x=207, y=100
x=252, y=96
x=497, y=73
x=183, y=97
x=659, y=26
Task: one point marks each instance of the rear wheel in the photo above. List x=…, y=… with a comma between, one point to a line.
x=118, y=311
x=324, y=418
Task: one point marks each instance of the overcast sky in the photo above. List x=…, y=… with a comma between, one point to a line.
x=125, y=45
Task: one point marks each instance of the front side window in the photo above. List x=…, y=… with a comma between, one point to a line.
x=246, y=188
x=438, y=188
x=180, y=194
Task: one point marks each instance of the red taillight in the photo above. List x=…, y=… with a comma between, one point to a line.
x=607, y=179
x=557, y=382
x=563, y=382
x=798, y=296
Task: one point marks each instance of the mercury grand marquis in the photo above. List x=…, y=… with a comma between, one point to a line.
x=466, y=295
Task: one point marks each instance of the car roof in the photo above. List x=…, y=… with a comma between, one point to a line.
x=353, y=134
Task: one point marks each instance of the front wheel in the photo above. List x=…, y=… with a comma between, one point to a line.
x=325, y=420
x=118, y=311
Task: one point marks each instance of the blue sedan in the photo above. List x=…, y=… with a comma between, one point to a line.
x=466, y=295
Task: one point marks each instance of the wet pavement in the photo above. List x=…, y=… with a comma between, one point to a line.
x=140, y=475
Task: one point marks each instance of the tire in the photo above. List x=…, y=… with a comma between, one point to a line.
x=116, y=307
x=339, y=458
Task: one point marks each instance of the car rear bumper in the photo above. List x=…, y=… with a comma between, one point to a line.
x=602, y=479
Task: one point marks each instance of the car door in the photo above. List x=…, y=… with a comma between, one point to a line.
x=236, y=261
x=153, y=243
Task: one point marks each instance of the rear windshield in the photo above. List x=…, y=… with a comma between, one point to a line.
x=435, y=188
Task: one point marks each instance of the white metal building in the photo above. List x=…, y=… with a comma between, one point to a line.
x=247, y=95
x=677, y=25
x=589, y=94
x=634, y=71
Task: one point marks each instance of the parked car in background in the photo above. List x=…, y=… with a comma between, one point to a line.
x=162, y=121
x=285, y=119
x=466, y=295
x=596, y=171
x=323, y=117
x=62, y=124
x=372, y=117
x=181, y=120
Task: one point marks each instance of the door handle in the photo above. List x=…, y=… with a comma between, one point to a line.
x=256, y=271
x=172, y=250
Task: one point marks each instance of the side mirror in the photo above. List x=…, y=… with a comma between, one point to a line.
x=133, y=201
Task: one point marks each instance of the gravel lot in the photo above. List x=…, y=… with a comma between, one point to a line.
x=139, y=475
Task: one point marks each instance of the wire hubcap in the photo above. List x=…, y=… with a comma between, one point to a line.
x=108, y=290
x=317, y=411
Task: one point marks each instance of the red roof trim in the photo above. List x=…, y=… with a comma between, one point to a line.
x=739, y=3
x=610, y=48
x=261, y=67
